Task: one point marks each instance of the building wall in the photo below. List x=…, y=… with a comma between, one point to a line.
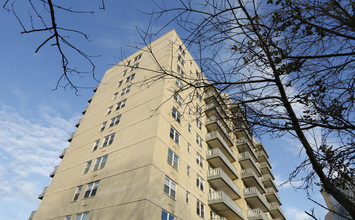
x=131, y=185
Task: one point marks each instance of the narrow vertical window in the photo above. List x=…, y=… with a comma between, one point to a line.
x=103, y=126
x=109, y=110
x=77, y=193
x=87, y=167
x=96, y=144
x=188, y=170
x=187, y=197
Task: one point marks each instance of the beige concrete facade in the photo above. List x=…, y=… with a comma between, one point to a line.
x=197, y=165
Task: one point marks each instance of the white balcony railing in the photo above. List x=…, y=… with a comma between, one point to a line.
x=222, y=196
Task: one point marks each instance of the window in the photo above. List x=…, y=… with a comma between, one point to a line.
x=179, y=70
x=128, y=63
x=115, y=120
x=198, y=124
x=67, y=217
x=91, y=189
x=198, y=140
x=174, y=135
x=173, y=159
x=77, y=193
x=124, y=73
x=87, y=167
x=114, y=96
x=188, y=147
x=103, y=126
x=199, y=97
x=199, y=160
x=108, y=140
x=125, y=90
x=198, y=109
x=166, y=215
x=137, y=57
x=188, y=170
x=177, y=98
x=135, y=66
x=179, y=83
x=130, y=78
x=121, y=104
x=200, y=209
x=109, y=110
x=100, y=163
x=96, y=144
x=82, y=216
x=181, y=50
x=181, y=60
x=119, y=84
x=199, y=182
x=187, y=197
x=176, y=115
x=198, y=75
x=189, y=127
x=170, y=187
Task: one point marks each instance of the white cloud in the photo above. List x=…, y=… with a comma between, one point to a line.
x=293, y=213
x=29, y=149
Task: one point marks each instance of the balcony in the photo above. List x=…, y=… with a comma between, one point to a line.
x=244, y=145
x=216, y=158
x=71, y=137
x=212, y=110
x=31, y=216
x=78, y=123
x=224, y=206
x=265, y=168
x=276, y=211
x=213, y=123
x=271, y=196
x=53, y=172
x=250, y=179
x=219, y=180
x=256, y=214
x=255, y=199
x=42, y=193
x=63, y=153
x=247, y=162
x=268, y=181
x=86, y=108
x=215, y=140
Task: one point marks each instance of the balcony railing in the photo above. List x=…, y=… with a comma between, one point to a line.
x=212, y=120
x=221, y=218
x=251, y=179
x=257, y=214
x=244, y=142
x=78, y=123
x=210, y=139
x=254, y=197
x=220, y=181
x=217, y=159
x=276, y=211
x=222, y=115
x=63, y=153
x=271, y=195
x=31, y=215
x=71, y=137
x=219, y=197
x=86, y=108
x=247, y=161
x=54, y=171
x=42, y=193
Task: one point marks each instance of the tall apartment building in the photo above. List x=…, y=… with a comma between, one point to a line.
x=148, y=147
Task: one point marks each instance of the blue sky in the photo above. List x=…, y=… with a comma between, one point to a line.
x=35, y=121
